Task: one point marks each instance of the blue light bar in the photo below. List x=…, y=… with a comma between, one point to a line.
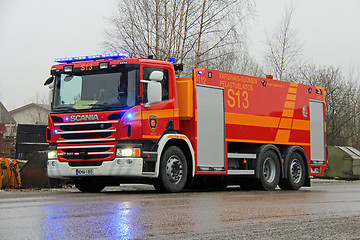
x=91, y=57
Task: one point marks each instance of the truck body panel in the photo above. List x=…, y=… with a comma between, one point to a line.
x=259, y=111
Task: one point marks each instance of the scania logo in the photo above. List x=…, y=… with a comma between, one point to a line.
x=90, y=117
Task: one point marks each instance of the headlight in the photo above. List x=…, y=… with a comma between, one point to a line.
x=52, y=154
x=128, y=152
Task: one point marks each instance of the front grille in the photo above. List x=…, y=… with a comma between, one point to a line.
x=95, y=126
x=87, y=131
x=87, y=152
x=92, y=141
x=99, y=148
x=86, y=135
x=86, y=157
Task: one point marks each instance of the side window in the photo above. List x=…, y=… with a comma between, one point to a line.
x=164, y=82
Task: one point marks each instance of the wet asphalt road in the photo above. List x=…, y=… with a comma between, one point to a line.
x=327, y=210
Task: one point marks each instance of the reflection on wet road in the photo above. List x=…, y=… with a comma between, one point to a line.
x=140, y=212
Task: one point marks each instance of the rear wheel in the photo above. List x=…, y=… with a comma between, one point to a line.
x=173, y=171
x=295, y=173
x=89, y=185
x=269, y=174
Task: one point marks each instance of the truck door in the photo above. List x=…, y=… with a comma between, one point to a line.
x=317, y=132
x=156, y=117
x=210, y=128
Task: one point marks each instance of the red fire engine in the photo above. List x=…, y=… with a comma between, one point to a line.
x=118, y=120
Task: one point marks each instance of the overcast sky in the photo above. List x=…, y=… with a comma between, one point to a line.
x=35, y=32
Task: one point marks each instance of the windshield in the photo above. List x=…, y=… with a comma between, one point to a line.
x=95, y=91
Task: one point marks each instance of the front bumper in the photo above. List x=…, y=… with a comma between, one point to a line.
x=119, y=167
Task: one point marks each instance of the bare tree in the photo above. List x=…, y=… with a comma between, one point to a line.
x=38, y=98
x=342, y=98
x=283, y=47
x=238, y=62
x=342, y=95
x=191, y=31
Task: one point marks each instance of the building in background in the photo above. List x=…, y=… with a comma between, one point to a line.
x=31, y=122
x=31, y=114
x=7, y=133
x=28, y=124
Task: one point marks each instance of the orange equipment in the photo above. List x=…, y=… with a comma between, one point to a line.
x=9, y=174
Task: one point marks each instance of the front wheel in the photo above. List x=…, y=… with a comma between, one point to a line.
x=173, y=171
x=295, y=172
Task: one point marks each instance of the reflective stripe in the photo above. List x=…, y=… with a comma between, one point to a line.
x=251, y=120
x=176, y=136
x=92, y=146
x=89, y=153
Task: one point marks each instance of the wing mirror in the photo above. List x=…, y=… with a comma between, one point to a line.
x=154, y=88
x=49, y=81
x=154, y=91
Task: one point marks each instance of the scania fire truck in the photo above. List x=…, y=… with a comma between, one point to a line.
x=119, y=120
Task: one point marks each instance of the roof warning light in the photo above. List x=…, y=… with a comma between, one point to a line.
x=91, y=57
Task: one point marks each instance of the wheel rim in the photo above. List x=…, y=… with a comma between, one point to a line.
x=174, y=169
x=269, y=169
x=296, y=170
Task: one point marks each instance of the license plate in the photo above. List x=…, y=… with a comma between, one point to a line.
x=85, y=171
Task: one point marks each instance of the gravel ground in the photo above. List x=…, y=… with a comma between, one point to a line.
x=328, y=228
x=308, y=227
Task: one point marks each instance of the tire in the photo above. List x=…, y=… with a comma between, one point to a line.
x=296, y=173
x=269, y=174
x=89, y=185
x=173, y=171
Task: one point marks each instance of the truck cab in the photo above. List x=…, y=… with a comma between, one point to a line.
x=107, y=114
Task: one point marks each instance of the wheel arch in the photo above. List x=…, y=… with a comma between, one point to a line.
x=262, y=149
x=184, y=144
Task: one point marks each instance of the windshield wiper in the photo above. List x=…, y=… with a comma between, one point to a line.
x=107, y=106
x=64, y=108
x=100, y=106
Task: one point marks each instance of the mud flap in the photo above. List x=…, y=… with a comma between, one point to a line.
x=307, y=182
